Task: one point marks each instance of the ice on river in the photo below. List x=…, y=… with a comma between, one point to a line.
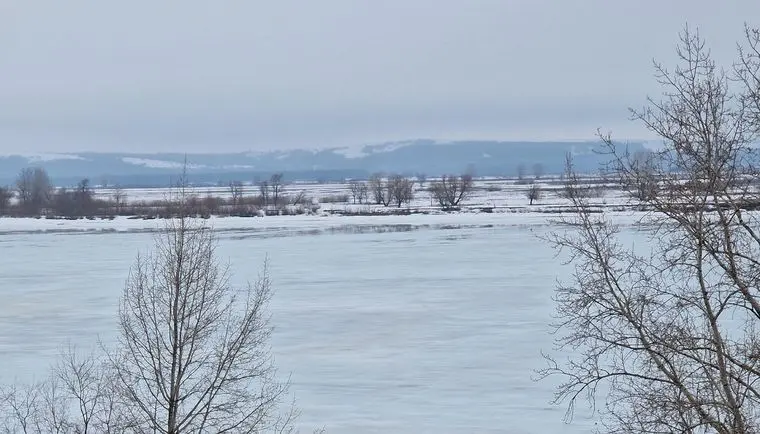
x=408, y=325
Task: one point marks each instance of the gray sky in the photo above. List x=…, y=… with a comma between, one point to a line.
x=194, y=76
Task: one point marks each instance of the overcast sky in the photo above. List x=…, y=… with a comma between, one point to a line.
x=202, y=75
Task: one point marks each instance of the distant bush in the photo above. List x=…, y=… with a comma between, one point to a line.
x=582, y=192
x=334, y=198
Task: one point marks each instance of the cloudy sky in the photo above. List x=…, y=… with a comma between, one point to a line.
x=200, y=75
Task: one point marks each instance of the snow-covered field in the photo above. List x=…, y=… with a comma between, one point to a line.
x=418, y=323
x=505, y=194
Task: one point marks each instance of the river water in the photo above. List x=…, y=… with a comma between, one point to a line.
x=430, y=330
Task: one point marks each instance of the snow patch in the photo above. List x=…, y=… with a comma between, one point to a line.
x=238, y=166
x=37, y=158
x=389, y=147
x=159, y=164
x=351, y=152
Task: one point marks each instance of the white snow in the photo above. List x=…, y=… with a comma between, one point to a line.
x=238, y=167
x=389, y=147
x=36, y=158
x=488, y=192
x=352, y=152
x=159, y=164
x=304, y=222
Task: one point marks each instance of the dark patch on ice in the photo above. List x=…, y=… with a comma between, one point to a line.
x=241, y=233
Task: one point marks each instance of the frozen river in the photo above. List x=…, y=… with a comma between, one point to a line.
x=431, y=330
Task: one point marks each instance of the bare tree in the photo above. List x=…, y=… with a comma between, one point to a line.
x=19, y=406
x=376, y=187
x=379, y=190
x=363, y=192
x=194, y=349
x=236, y=193
x=355, y=188
x=51, y=406
x=671, y=333
x=747, y=72
x=400, y=190
x=34, y=189
x=63, y=203
x=77, y=397
x=534, y=193
x=74, y=203
x=25, y=410
x=42, y=188
x=6, y=194
x=300, y=198
x=645, y=186
x=275, y=184
x=572, y=189
x=83, y=198
x=119, y=197
x=24, y=186
x=85, y=387
x=451, y=190
x=264, y=190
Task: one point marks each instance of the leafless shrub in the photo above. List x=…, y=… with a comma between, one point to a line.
x=78, y=202
x=400, y=190
x=76, y=397
x=264, y=192
x=334, y=198
x=671, y=333
x=275, y=184
x=534, y=193
x=22, y=409
x=300, y=198
x=211, y=204
x=236, y=193
x=6, y=194
x=573, y=189
x=379, y=190
x=359, y=191
x=119, y=197
x=451, y=190
x=644, y=186
x=363, y=193
x=582, y=191
x=747, y=72
x=34, y=190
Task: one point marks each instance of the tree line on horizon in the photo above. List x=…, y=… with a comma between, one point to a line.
x=36, y=196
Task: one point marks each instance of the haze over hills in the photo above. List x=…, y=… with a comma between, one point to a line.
x=486, y=158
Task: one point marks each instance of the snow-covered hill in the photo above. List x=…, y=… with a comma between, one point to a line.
x=486, y=158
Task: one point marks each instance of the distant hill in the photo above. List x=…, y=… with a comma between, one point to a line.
x=486, y=158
